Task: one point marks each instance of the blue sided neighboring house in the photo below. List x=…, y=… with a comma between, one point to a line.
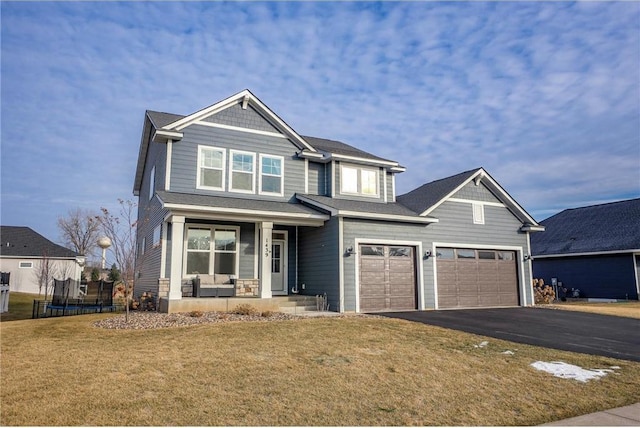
x=594, y=249
x=233, y=198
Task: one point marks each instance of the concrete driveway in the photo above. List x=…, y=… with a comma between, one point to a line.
x=594, y=334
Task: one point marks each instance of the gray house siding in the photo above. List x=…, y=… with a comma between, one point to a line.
x=184, y=167
x=389, y=184
x=242, y=118
x=476, y=193
x=150, y=215
x=318, y=258
x=374, y=232
x=317, y=179
x=501, y=229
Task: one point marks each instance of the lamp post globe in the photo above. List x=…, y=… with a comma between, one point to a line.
x=104, y=242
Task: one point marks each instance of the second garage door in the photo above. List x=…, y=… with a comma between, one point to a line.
x=387, y=278
x=470, y=278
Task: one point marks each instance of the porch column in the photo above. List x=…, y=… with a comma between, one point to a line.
x=177, y=238
x=266, y=229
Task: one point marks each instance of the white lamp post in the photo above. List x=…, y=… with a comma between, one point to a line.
x=104, y=243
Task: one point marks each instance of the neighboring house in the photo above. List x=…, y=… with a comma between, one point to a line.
x=594, y=249
x=24, y=253
x=233, y=190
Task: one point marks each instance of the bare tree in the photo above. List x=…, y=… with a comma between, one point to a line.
x=45, y=269
x=80, y=229
x=121, y=229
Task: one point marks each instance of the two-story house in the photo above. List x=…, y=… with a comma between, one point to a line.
x=232, y=191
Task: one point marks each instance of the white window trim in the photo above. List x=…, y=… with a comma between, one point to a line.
x=253, y=174
x=212, y=252
x=143, y=246
x=152, y=182
x=359, y=192
x=223, y=168
x=28, y=265
x=157, y=236
x=478, y=213
x=281, y=159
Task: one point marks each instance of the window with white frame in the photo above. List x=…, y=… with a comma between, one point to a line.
x=271, y=174
x=242, y=172
x=143, y=246
x=204, y=258
x=156, y=235
x=152, y=182
x=211, y=163
x=358, y=180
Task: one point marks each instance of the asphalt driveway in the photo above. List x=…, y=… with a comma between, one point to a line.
x=582, y=332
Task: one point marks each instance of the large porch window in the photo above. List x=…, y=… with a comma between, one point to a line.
x=211, y=250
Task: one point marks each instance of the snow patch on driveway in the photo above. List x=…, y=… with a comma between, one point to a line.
x=569, y=371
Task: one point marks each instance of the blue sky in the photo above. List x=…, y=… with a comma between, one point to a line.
x=544, y=95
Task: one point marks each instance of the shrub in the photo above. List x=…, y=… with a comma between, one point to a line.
x=196, y=314
x=267, y=314
x=244, y=309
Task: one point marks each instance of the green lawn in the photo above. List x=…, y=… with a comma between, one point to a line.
x=20, y=306
x=324, y=371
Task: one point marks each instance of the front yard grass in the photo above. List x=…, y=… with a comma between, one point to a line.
x=630, y=309
x=318, y=371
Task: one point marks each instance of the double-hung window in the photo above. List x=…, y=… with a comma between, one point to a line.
x=271, y=173
x=212, y=250
x=242, y=172
x=211, y=162
x=357, y=180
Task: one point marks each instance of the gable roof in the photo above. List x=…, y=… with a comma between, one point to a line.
x=430, y=196
x=20, y=241
x=161, y=127
x=612, y=227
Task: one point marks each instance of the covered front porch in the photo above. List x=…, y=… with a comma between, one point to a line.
x=239, y=256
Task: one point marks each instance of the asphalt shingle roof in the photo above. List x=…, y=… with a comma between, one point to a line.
x=429, y=194
x=234, y=203
x=362, y=206
x=340, y=148
x=160, y=119
x=606, y=227
x=20, y=241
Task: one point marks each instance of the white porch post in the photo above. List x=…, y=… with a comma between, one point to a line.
x=177, y=238
x=266, y=229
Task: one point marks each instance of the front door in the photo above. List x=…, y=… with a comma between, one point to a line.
x=278, y=268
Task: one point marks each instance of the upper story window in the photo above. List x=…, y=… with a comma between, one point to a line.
x=211, y=162
x=157, y=232
x=152, y=182
x=242, y=172
x=359, y=180
x=271, y=176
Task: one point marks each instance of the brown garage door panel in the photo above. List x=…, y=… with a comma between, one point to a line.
x=474, y=282
x=388, y=280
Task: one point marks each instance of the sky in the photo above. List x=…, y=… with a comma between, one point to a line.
x=544, y=95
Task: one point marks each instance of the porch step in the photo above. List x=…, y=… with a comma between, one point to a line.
x=296, y=304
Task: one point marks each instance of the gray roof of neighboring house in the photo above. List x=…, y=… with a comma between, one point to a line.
x=20, y=241
x=429, y=194
x=390, y=208
x=248, y=204
x=598, y=228
x=340, y=148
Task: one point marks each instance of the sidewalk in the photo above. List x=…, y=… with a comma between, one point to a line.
x=622, y=416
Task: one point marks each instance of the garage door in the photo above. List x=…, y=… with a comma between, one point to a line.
x=469, y=278
x=387, y=278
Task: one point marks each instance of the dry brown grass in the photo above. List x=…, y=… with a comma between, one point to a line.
x=344, y=371
x=629, y=309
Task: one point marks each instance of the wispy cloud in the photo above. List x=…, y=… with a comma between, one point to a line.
x=544, y=95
